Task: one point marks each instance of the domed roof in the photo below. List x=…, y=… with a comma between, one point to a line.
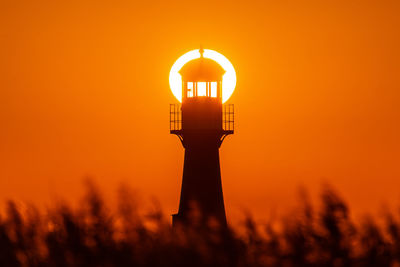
x=202, y=70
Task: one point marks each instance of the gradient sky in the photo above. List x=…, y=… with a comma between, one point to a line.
x=84, y=92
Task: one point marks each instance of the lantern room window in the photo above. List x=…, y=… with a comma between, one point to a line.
x=201, y=89
x=213, y=89
x=208, y=89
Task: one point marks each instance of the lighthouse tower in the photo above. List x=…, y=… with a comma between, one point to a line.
x=201, y=123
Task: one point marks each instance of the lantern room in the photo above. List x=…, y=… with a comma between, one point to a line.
x=202, y=109
x=202, y=77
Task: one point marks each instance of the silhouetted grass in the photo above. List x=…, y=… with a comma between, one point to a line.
x=95, y=236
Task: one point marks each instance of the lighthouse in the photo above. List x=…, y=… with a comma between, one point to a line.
x=201, y=122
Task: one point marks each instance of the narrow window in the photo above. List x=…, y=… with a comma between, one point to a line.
x=190, y=89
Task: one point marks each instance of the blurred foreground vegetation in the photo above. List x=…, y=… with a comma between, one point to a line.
x=93, y=235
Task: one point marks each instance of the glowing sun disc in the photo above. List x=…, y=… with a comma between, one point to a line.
x=228, y=80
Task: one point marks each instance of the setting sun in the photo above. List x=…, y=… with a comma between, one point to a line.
x=228, y=80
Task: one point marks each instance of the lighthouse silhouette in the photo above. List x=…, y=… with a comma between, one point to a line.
x=201, y=122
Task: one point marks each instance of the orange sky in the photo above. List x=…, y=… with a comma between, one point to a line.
x=84, y=91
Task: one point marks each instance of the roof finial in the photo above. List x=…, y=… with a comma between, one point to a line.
x=201, y=50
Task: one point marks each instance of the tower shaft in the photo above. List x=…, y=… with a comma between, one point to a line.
x=201, y=191
x=201, y=134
